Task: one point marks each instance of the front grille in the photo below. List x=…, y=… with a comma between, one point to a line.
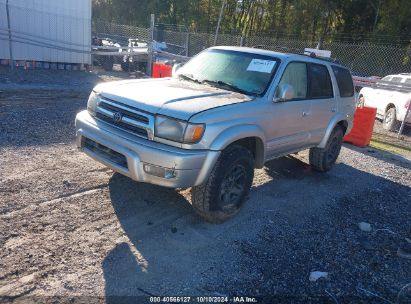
x=105, y=152
x=131, y=119
x=122, y=125
x=124, y=112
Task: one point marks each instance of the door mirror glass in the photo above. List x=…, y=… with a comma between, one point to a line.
x=284, y=92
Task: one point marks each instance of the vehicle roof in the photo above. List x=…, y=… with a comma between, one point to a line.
x=402, y=75
x=279, y=55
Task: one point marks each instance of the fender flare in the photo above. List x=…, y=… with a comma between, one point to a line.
x=235, y=133
x=331, y=125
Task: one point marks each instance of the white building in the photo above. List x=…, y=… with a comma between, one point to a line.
x=56, y=31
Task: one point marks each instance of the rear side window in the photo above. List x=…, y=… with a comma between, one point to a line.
x=320, y=81
x=344, y=81
x=408, y=81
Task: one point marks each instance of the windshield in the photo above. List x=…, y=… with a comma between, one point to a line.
x=236, y=71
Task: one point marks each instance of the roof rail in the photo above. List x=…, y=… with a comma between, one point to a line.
x=313, y=55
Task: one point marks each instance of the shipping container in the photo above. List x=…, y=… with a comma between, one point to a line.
x=47, y=30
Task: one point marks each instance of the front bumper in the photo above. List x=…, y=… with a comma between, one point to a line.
x=131, y=155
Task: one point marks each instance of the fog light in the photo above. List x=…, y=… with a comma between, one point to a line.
x=159, y=171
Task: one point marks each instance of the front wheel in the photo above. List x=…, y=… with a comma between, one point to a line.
x=227, y=188
x=390, y=121
x=322, y=159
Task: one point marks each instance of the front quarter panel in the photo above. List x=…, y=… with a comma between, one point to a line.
x=235, y=133
x=227, y=124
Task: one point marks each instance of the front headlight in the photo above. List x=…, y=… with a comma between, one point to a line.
x=178, y=130
x=92, y=103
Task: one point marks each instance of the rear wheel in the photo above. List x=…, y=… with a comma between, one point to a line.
x=227, y=188
x=390, y=121
x=322, y=159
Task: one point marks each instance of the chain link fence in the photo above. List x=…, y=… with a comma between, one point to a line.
x=398, y=140
x=119, y=47
x=363, y=59
x=39, y=34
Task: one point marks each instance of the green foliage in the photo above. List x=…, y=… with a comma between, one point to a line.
x=314, y=20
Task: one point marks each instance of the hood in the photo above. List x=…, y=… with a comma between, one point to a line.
x=169, y=96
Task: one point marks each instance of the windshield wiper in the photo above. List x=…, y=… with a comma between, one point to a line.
x=230, y=86
x=188, y=77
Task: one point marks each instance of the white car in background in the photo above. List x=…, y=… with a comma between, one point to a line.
x=391, y=96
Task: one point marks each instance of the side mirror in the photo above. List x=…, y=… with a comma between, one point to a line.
x=284, y=92
x=176, y=67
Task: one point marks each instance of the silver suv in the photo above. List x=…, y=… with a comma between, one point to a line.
x=225, y=112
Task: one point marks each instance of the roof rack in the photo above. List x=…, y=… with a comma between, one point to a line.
x=309, y=54
x=313, y=55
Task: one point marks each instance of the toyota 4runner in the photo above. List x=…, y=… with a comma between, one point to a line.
x=225, y=112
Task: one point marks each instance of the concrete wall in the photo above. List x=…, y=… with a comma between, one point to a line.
x=47, y=30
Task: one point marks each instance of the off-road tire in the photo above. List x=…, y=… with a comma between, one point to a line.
x=390, y=121
x=322, y=159
x=206, y=199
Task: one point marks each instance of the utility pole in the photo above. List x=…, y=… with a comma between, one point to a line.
x=10, y=41
x=150, y=47
x=377, y=11
x=219, y=21
x=405, y=118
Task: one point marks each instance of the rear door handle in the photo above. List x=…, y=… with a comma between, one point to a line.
x=305, y=114
x=333, y=110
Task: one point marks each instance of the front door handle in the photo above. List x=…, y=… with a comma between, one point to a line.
x=333, y=110
x=305, y=114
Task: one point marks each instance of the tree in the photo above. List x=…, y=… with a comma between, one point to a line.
x=313, y=20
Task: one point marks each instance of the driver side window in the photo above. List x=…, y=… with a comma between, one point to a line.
x=295, y=75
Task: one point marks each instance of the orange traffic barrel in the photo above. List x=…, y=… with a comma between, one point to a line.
x=161, y=70
x=360, y=135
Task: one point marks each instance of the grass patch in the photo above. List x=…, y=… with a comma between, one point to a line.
x=382, y=143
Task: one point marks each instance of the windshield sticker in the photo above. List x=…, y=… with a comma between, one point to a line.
x=260, y=65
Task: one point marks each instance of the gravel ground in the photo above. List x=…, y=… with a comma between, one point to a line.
x=56, y=79
x=71, y=228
